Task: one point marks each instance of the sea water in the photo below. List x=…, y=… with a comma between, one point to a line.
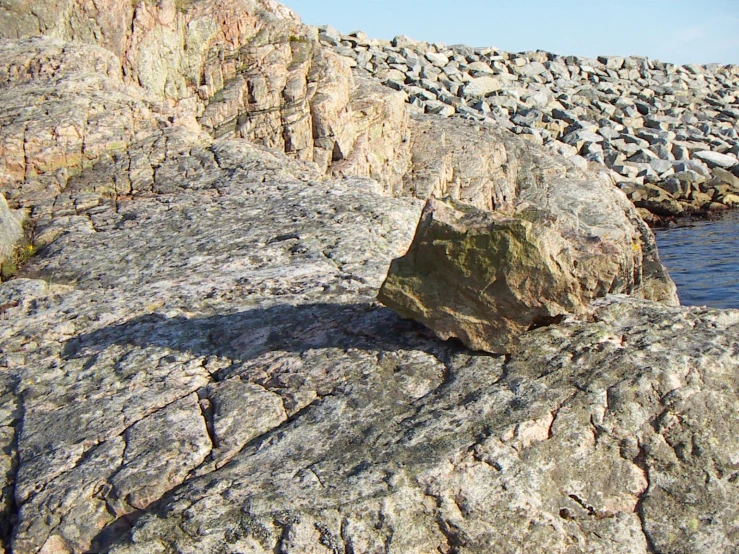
x=703, y=260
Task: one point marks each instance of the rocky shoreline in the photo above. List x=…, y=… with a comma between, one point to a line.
x=194, y=358
x=667, y=133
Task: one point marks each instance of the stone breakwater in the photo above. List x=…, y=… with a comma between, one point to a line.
x=668, y=133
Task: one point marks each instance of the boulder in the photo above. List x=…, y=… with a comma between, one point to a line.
x=11, y=230
x=486, y=277
x=482, y=86
x=480, y=67
x=715, y=159
x=658, y=200
x=439, y=60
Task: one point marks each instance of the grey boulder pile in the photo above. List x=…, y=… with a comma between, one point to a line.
x=195, y=361
x=666, y=132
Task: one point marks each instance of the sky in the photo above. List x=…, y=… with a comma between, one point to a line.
x=677, y=31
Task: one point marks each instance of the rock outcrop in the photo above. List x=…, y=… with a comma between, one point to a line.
x=194, y=359
x=661, y=129
x=243, y=68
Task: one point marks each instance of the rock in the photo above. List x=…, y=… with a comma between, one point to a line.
x=402, y=41
x=699, y=200
x=644, y=156
x=482, y=86
x=439, y=108
x=532, y=69
x=299, y=101
x=714, y=159
x=11, y=230
x=727, y=177
x=439, y=60
x=460, y=253
x=195, y=360
x=371, y=138
x=716, y=207
x=658, y=201
x=674, y=187
x=480, y=67
x=612, y=62
x=661, y=166
x=463, y=160
x=625, y=96
x=65, y=106
x=581, y=138
x=154, y=416
x=536, y=407
x=695, y=166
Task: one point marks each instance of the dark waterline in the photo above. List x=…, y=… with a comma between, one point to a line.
x=703, y=260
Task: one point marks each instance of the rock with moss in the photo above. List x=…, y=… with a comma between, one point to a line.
x=11, y=230
x=486, y=277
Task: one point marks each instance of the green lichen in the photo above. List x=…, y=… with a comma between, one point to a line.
x=21, y=254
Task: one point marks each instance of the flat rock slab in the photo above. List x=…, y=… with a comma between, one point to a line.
x=715, y=159
x=589, y=440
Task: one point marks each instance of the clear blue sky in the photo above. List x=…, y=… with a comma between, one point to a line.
x=679, y=31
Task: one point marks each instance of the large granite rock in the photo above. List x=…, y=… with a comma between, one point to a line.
x=246, y=68
x=222, y=335
x=576, y=445
x=64, y=106
x=558, y=239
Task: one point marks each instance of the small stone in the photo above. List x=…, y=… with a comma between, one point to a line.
x=402, y=41
x=714, y=159
x=482, y=86
x=440, y=108
x=480, y=67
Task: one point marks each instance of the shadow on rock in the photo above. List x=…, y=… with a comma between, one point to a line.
x=244, y=336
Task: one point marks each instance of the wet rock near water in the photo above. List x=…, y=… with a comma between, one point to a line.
x=665, y=131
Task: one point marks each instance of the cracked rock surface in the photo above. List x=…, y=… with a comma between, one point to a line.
x=598, y=437
x=194, y=360
x=206, y=369
x=158, y=337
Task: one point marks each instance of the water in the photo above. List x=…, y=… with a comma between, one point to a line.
x=703, y=260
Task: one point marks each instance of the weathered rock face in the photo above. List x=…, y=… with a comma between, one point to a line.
x=140, y=428
x=246, y=68
x=579, y=445
x=240, y=293
x=475, y=164
x=195, y=361
x=64, y=106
